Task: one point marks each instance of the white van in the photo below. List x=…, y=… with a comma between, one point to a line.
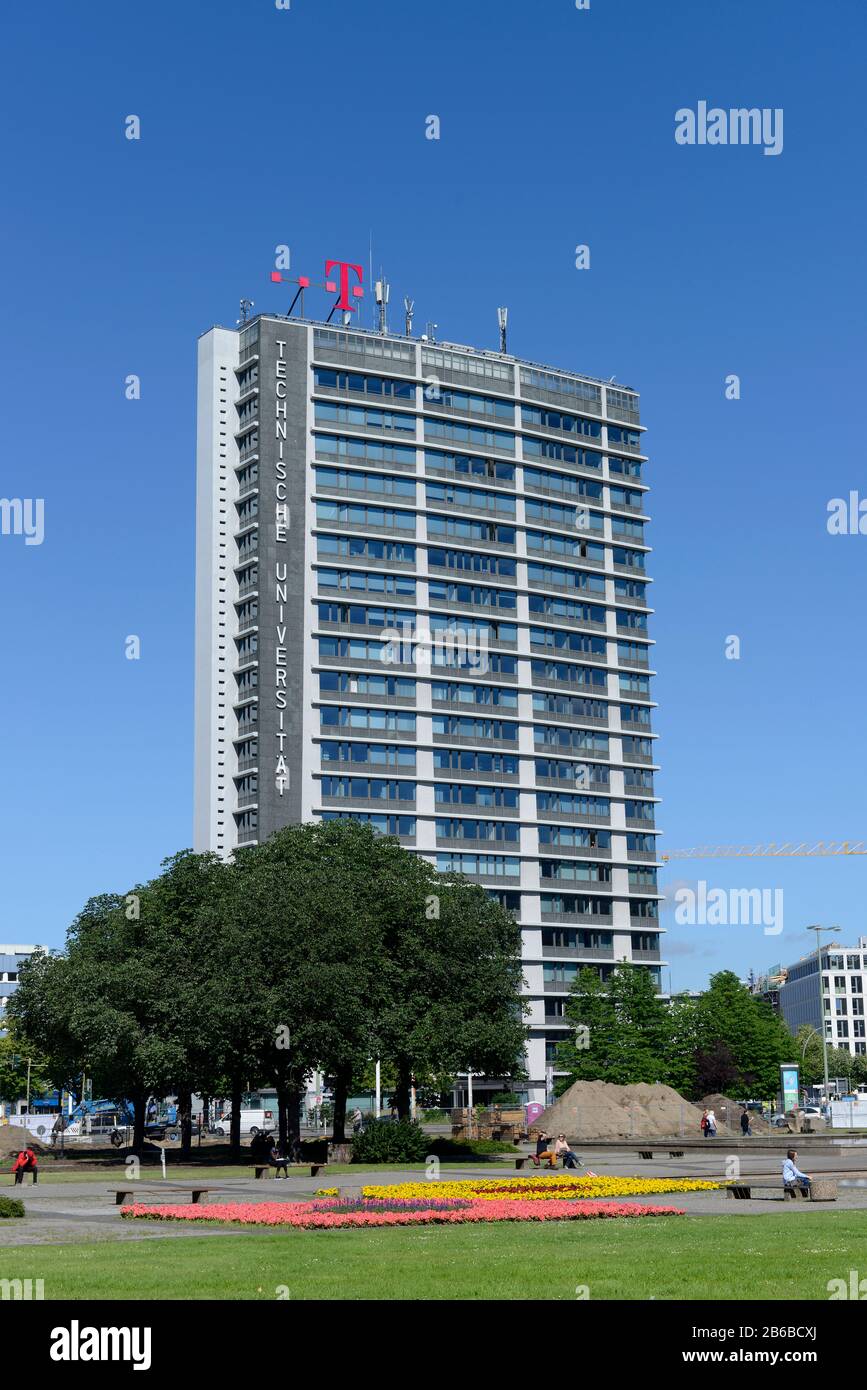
x=252, y=1121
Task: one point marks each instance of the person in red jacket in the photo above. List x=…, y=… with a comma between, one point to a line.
x=25, y=1163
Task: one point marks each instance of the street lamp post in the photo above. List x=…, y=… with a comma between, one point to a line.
x=818, y=930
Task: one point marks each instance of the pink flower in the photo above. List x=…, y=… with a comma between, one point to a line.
x=311, y=1216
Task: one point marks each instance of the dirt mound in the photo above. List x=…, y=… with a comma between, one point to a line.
x=728, y=1114
x=601, y=1110
x=13, y=1138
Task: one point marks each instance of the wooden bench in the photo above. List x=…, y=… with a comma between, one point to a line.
x=746, y=1192
x=122, y=1194
x=760, y=1192
x=315, y=1168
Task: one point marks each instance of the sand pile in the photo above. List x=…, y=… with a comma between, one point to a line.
x=728, y=1114
x=600, y=1110
x=14, y=1138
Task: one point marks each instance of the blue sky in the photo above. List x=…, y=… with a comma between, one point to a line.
x=307, y=127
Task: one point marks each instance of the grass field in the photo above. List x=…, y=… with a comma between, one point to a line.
x=660, y=1258
x=182, y=1172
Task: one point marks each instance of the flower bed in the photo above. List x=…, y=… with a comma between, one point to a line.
x=542, y=1189
x=434, y=1211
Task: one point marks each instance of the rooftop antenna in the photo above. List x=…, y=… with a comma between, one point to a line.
x=382, y=290
x=408, y=305
x=502, y=320
x=432, y=331
x=246, y=306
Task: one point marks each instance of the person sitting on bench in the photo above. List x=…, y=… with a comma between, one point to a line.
x=792, y=1175
x=544, y=1150
x=278, y=1161
x=562, y=1150
x=26, y=1162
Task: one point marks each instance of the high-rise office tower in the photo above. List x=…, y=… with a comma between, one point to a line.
x=422, y=601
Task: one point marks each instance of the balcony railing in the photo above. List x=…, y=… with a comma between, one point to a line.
x=582, y=952
x=458, y=845
x=370, y=802
x=591, y=919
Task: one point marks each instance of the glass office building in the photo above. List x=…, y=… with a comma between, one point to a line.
x=423, y=601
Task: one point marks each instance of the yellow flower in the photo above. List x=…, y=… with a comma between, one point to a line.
x=541, y=1188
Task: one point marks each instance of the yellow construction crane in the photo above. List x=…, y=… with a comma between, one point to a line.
x=771, y=851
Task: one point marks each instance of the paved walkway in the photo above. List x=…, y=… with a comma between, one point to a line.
x=66, y=1213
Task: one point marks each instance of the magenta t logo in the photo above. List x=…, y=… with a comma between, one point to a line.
x=331, y=285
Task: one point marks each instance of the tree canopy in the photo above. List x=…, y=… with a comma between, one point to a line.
x=726, y=1039
x=325, y=947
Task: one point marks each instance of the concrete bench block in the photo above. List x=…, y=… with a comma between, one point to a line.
x=823, y=1190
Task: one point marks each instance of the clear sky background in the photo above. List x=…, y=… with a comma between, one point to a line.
x=307, y=127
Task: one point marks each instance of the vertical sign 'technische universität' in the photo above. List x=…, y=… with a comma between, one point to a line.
x=281, y=529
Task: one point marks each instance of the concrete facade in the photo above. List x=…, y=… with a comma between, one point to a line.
x=841, y=1009
x=12, y=958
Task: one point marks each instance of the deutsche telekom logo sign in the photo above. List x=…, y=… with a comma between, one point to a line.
x=357, y=291
x=343, y=285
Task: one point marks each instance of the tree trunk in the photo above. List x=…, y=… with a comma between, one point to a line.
x=139, y=1106
x=342, y=1082
x=403, y=1088
x=235, y=1121
x=282, y=1116
x=294, y=1097
x=185, y=1107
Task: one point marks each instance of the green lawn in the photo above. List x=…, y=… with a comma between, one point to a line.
x=184, y=1172
x=716, y=1257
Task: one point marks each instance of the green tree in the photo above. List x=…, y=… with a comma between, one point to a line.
x=629, y=1027
x=450, y=976
x=15, y=1052
x=682, y=1045
x=590, y=1013
x=756, y=1038
x=184, y=944
x=373, y=954
x=326, y=946
x=104, y=1004
x=312, y=938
